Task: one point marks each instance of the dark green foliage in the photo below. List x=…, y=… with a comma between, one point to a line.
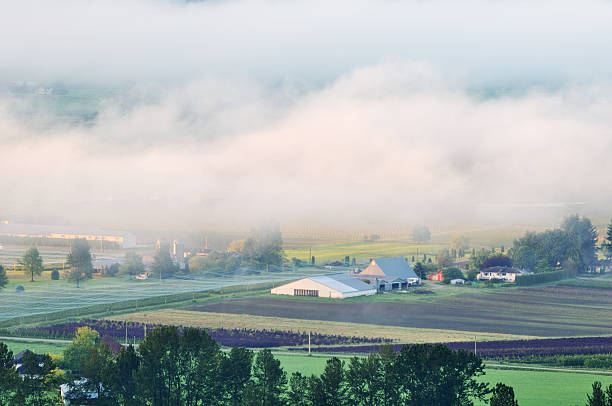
x=236, y=374
x=472, y=275
x=503, y=395
x=572, y=246
x=497, y=260
x=8, y=375
x=437, y=375
x=132, y=264
x=123, y=379
x=163, y=264
x=526, y=280
x=333, y=383
x=298, y=390
x=451, y=273
x=420, y=270
x=79, y=260
x=32, y=263
x=39, y=386
x=269, y=379
x=264, y=247
x=55, y=275
x=597, y=397
x=3, y=277
x=543, y=267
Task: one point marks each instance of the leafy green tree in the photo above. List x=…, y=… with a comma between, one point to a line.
x=39, y=386
x=334, y=384
x=503, y=395
x=607, y=243
x=78, y=351
x=597, y=397
x=543, y=266
x=364, y=380
x=437, y=375
x=199, y=358
x=79, y=260
x=583, y=237
x=55, y=275
x=94, y=377
x=269, y=379
x=8, y=375
x=609, y=395
x=158, y=379
x=451, y=273
x=421, y=234
x=472, y=275
x=264, y=247
x=236, y=374
x=132, y=264
x=3, y=277
x=32, y=263
x=123, y=380
x=477, y=259
x=420, y=270
x=163, y=264
x=297, y=393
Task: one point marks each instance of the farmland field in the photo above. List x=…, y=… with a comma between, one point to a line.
x=532, y=388
x=361, y=250
x=40, y=347
x=46, y=296
x=223, y=320
x=551, y=311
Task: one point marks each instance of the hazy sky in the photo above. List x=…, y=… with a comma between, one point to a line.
x=305, y=112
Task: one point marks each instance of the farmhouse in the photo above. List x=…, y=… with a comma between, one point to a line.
x=389, y=274
x=338, y=286
x=502, y=273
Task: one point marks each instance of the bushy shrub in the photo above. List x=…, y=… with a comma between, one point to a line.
x=19, y=288
x=525, y=280
x=55, y=275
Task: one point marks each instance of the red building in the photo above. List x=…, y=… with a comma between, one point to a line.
x=436, y=276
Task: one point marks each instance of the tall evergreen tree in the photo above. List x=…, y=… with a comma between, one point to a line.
x=8, y=375
x=597, y=397
x=270, y=379
x=236, y=374
x=3, y=277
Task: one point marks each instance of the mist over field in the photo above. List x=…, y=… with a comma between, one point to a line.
x=360, y=114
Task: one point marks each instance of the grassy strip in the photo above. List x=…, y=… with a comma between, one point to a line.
x=150, y=303
x=239, y=321
x=582, y=283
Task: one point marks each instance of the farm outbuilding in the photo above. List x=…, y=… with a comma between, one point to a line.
x=390, y=274
x=338, y=286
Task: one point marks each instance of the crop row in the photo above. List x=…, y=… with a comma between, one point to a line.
x=226, y=337
x=506, y=349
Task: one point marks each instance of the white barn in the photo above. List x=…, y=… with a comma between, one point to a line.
x=338, y=286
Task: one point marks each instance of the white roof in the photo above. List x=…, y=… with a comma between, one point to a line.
x=342, y=282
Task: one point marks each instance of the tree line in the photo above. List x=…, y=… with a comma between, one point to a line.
x=187, y=367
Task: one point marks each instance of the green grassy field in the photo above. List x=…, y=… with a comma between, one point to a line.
x=362, y=250
x=39, y=347
x=532, y=388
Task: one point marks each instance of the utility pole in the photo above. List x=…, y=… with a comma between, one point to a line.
x=309, y=343
x=474, y=345
x=126, y=333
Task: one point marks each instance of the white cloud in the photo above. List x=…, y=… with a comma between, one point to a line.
x=387, y=144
